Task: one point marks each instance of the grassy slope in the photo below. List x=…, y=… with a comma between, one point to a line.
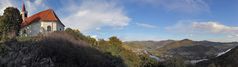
x=58, y=49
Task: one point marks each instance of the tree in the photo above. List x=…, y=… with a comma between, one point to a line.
x=212, y=65
x=114, y=41
x=1, y=27
x=10, y=22
x=146, y=61
x=76, y=33
x=176, y=61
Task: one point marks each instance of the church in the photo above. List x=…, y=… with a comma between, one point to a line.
x=40, y=23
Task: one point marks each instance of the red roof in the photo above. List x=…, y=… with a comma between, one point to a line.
x=46, y=15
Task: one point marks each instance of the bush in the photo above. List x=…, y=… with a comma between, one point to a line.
x=115, y=48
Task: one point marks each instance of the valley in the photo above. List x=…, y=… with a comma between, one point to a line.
x=191, y=51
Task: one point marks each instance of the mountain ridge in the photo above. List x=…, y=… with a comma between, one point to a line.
x=188, y=49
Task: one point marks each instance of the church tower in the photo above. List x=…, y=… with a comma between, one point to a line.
x=23, y=12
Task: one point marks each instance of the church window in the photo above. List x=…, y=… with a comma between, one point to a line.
x=48, y=28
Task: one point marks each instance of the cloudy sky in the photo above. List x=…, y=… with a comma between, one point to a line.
x=213, y=20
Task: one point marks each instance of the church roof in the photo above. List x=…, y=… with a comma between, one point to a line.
x=46, y=15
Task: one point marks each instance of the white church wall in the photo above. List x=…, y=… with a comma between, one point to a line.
x=60, y=27
x=53, y=25
x=41, y=27
x=32, y=29
x=35, y=27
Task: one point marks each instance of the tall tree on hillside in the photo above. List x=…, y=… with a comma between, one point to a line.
x=10, y=22
x=114, y=40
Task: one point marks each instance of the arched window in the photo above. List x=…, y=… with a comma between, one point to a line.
x=48, y=28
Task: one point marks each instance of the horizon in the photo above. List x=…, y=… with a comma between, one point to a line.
x=143, y=20
x=179, y=40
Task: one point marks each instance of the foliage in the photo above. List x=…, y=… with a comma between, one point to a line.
x=79, y=36
x=114, y=41
x=10, y=23
x=149, y=62
x=212, y=65
x=176, y=61
x=3, y=49
x=114, y=47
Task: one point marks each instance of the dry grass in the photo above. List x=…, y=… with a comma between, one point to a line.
x=56, y=49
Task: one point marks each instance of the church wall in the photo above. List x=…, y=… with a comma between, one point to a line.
x=32, y=29
x=60, y=27
x=52, y=24
x=40, y=27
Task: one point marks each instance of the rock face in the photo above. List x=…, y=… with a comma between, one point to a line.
x=54, y=50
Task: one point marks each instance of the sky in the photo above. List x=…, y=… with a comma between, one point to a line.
x=138, y=20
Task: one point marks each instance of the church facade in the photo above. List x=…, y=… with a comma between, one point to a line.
x=40, y=23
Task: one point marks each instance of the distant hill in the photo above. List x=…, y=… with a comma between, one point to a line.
x=228, y=59
x=188, y=49
x=148, y=44
x=195, y=50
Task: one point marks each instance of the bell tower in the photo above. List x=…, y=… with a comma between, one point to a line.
x=23, y=11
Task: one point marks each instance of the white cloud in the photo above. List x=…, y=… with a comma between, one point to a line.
x=34, y=6
x=146, y=25
x=38, y=2
x=215, y=27
x=94, y=36
x=4, y=4
x=93, y=14
x=208, y=27
x=233, y=36
x=230, y=33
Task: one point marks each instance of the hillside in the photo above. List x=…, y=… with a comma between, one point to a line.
x=54, y=50
x=69, y=49
x=188, y=49
x=202, y=49
x=148, y=44
x=228, y=59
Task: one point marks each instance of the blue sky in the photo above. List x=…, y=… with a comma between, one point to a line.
x=213, y=20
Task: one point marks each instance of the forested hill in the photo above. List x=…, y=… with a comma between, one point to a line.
x=188, y=49
x=228, y=59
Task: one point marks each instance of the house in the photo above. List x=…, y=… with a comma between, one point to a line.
x=43, y=22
